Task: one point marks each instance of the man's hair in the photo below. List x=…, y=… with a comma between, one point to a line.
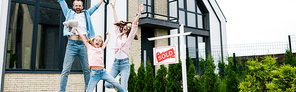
x=78, y=0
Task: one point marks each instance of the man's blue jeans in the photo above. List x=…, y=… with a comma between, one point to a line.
x=73, y=49
x=97, y=75
x=122, y=66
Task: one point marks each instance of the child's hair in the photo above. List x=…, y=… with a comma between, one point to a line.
x=91, y=40
x=122, y=24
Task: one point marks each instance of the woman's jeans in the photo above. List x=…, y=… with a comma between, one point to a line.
x=97, y=75
x=122, y=66
x=73, y=49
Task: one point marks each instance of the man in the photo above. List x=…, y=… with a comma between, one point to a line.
x=75, y=45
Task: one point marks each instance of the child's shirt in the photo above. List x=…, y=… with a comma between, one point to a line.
x=95, y=57
x=126, y=41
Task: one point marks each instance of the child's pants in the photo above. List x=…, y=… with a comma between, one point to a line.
x=97, y=75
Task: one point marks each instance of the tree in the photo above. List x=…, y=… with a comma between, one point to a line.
x=221, y=66
x=240, y=68
x=149, y=78
x=231, y=78
x=140, y=83
x=192, y=82
x=174, y=78
x=210, y=76
x=132, y=78
x=289, y=59
x=202, y=67
x=160, y=79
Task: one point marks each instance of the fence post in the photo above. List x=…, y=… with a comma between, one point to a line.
x=234, y=63
x=290, y=46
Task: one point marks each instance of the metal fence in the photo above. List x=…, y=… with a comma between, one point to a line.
x=240, y=53
x=251, y=49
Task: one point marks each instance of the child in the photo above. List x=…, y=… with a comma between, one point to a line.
x=95, y=49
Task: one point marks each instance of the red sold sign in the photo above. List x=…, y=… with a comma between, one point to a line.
x=165, y=55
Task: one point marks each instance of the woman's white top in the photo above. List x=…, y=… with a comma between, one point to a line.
x=120, y=55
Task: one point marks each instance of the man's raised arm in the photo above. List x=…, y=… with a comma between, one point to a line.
x=64, y=6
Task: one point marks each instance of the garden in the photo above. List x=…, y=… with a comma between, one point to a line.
x=254, y=75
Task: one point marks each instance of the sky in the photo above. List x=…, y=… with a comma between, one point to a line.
x=259, y=21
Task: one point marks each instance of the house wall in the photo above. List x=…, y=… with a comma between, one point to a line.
x=30, y=82
x=160, y=42
x=135, y=50
x=217, y=31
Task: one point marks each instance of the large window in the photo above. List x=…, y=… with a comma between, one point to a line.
x=191, y=15
x=195, y=49
x=161, y=9
x=35, y=37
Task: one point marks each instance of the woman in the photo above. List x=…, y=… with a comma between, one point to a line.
x=125, y=34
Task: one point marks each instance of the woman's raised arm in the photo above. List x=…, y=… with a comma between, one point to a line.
x=141, y=8
x=114, y=11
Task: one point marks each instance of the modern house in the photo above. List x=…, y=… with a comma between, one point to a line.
x=32, y=45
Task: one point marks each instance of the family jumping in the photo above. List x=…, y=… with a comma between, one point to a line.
x=82, y=42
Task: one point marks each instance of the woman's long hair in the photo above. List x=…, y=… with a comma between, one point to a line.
x=123, y=24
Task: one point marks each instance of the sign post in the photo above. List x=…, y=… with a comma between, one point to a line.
x=182, y=52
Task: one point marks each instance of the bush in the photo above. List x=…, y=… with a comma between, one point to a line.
x=258, y=74
x=231, y=78
x=174, y=78
x=192, y=82
x=211, y=84
x=202, y=68
x=149, y=78
x=240, y=69
x=284, y=79
x=289, y=59
x=140, y=83
x=160, y=79
x=132, y=78
x=221, y=66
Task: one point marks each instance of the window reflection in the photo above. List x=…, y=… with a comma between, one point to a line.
x=192, y=47
x=181, y=3
x=192, y=11
x=182, y=17
x=49, y=39
x=200, y=21
x=47, y=56
x=191, y=5
x=20, y=36
x=173, y=10
x=201, y=47
x=147, y=8
x=191, y=19
x=196, y=49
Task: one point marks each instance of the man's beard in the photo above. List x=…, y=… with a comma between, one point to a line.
x=77, y=10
